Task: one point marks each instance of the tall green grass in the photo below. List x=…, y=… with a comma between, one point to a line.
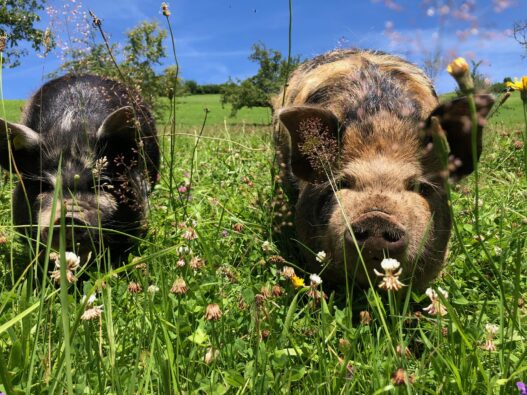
x=158, y=341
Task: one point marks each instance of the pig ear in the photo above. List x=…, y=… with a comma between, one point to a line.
x=294, y=120
x=119, y=124
x=454, y=119
x=20, y=138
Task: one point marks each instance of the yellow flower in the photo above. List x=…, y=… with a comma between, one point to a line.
x=457, y=67
x=518, y=85
x=297, y=281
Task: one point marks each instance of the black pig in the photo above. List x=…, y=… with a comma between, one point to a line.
x=91, y=143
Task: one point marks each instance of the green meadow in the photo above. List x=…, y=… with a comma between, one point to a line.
x=203, y=306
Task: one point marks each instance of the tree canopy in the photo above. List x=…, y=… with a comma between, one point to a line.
x=257, y=91
x=17, y=23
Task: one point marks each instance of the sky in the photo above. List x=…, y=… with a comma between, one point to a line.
x=214, y=37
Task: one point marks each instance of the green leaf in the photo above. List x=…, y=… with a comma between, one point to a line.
x=234, y=378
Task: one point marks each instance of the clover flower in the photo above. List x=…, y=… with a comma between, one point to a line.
x=72, y=264
x=315, y=280
x=277, y=291
x=321, y=256
x=365, y=317
x=266, y=246
x=211, y=355
x=90, y=300
x=213, y=312
x=400, y=377
x=436, y=308
x=196, y=263
x=288, y=272
x=190, y=234
x=490, y=330
x=390, y=277
x=179, y=287
x=134, y=287
x=521, y=387
x=92, y=313
x=152, y=289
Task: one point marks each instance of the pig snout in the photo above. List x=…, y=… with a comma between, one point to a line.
x=77, y=226
x=76, y=231
x=378, y=235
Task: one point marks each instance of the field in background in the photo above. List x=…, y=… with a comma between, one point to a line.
x=190, y=112
x=154, y=337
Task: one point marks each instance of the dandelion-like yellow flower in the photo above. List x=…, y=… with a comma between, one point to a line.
x=457, y=67
x=518, y=85
x=297, y=281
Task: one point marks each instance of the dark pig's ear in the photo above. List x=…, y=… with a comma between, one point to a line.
x=120, y=124
x=22, y=140
x=314, y=133
x=454, y=119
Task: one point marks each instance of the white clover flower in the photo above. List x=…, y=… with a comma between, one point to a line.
x=436, y=308
x=93, y=313
x=491, y=329
x=90, y=301
x=315, y=280
x=321, y=256
x=72, y=260
x=390, y=277
x=211, y=355
x=152, y=289
x=183, y=250
x=390, y=264
x=266, y=246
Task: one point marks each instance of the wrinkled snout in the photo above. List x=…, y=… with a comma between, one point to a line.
x=76, y=231
x=378, y=236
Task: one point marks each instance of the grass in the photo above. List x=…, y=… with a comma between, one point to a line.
x=190, y=111
x=149, y=341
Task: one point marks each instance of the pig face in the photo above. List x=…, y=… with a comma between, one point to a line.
x=375, y=190
x=88, y=174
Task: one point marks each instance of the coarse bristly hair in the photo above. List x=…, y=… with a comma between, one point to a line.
x=363, y=113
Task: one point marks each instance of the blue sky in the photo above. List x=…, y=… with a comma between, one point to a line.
x=214, y=37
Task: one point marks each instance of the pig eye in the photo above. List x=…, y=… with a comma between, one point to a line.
x=422, y=188
x=425, y=189
x=345, y=183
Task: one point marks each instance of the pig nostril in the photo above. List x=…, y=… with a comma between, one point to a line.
x=391, y=237
x=361, y=235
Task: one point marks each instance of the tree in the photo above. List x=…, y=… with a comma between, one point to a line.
x=17, y=23
x=520, y=33
x=256, y=91
x=143, y=50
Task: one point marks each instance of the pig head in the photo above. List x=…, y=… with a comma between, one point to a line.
x=360, y=144
x=86, y=157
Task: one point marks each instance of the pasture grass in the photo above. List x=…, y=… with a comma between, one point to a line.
x=153, y=337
